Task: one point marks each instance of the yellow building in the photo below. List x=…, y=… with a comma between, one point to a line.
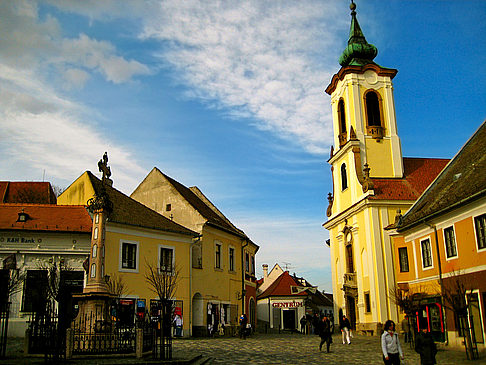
x=441, y=242
x=371, y=182
x=223, y=283
x=136, y=237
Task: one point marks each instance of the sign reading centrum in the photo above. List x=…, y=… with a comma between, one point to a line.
x=287, y=304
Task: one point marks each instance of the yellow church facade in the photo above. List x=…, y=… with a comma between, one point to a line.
x=371, y=183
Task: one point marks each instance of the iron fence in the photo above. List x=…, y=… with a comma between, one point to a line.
x=46, y=336
x=92, y=335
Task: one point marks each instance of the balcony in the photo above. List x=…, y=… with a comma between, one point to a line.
x=350, y=280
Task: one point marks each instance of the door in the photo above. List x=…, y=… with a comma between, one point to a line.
x=289, y=319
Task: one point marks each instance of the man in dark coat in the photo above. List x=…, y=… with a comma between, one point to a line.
x=325, y=333
x=425, y=346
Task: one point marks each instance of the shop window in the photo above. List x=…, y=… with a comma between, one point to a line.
x=450, y=242
x=403, y=256
x=166, y=258
x=344, y=177
x=231, y=259
x=217, y=258
x=367, y=302
x=480, y=224
x=426, y=253
x=129, y=251
x=35, y=290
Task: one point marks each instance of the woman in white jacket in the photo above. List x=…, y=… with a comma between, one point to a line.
x=390, y=345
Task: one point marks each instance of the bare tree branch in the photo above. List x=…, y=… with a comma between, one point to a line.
x=116, y=286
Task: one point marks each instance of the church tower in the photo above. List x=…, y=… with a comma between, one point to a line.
x=367, y=152
x=372, y=184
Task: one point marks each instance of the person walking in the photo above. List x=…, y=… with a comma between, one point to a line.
x=406, y=328
x=325, y=333
x=425, y=346
x=345, y=328
x=243, y=323
x=390, y=345
x=303, y=324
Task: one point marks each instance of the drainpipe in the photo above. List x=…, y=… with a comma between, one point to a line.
x=243, y=291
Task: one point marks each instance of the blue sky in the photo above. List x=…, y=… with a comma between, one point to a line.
x=228, y=96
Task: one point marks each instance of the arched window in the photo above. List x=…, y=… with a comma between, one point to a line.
x=341, y=116
x=344, y=177
x=373, y=109
x=349, y=259
x=342, y=136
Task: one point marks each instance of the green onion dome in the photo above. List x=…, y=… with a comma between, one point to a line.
x=358, y=52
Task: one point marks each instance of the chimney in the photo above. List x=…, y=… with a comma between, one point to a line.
x=265, y=271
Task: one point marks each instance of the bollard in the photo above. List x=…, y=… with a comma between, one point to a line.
x=69, y=343
x=139, y=343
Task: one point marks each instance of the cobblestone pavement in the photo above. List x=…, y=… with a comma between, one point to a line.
x=300, y=349
x=267, y=349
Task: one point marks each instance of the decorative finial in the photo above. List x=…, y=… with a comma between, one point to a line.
x=358, y=52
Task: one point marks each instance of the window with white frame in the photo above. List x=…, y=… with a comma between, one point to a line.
x=403, y=256
x=450, y=242
x=480, y=225
x=166, y=259
x=231, y=259
x=426, y=253
x=129, y=255
x=217, y=255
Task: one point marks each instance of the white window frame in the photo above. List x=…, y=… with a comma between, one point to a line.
x=400, y=259
x=120, y=257
x=231, y=269
x=173, y=256
x=476, y=234
x=431, y=254
x=445, y=242
x=216, y=245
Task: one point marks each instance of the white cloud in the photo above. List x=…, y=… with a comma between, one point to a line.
x=256, y=58
x=41, y=131
x=300, y=243
x=40, y=128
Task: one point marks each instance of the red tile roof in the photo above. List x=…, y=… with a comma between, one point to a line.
x=418, y=175
x=282, y=287
x=27, y=192
x=45, y=217
x=460, y=183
